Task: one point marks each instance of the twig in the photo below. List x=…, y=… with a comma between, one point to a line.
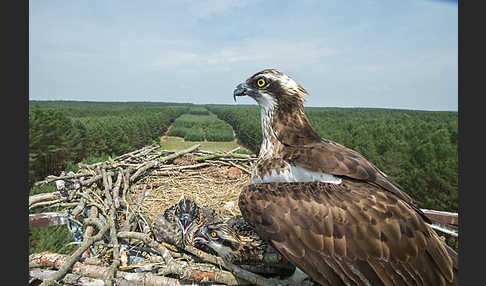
x=44, y=197
x=164, y=252
x=54, y=178
x=151, y=164
x=89, y=229
x=221, y=155
x=72, y=259
x=107, y=187
x=116, y=248
x=98, y=272
x=240, y=167
x=116, y=189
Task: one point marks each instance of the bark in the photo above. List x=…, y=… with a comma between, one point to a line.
x=47, y=219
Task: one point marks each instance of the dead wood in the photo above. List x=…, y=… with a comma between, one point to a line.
x=44, y=197
x=114, y=202
x=49, y=259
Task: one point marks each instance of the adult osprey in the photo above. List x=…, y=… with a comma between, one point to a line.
x=327, y=209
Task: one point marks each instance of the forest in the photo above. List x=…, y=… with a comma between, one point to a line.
x=63, y=133
x=418, y=148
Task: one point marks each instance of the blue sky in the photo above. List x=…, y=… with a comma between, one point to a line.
x=386, y=54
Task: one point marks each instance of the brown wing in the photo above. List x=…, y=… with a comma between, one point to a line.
x=348, y=234
x=333, y=158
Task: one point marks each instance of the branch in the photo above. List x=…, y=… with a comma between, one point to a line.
x=47, y=219
x=54, y=178
x=151, y=164
x=69, y=261
x=58, y=261
x=223, y=155
x=44, y=197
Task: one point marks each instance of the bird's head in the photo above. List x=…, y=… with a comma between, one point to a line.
x=271, y=88
x=220, y=237
x=186, y=211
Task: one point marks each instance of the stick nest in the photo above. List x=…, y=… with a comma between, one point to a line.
x=109, y=206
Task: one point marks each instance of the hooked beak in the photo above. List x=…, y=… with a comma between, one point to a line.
x=185, y=222
x=200, y=236
x=240, y=90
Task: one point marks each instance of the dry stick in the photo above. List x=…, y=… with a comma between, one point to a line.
x=79, y=208
x=164, y=252
x=151, y=164
x=72, y=259
x=44, y=197
x=134, y=152
x=167, y=171
x=114, y=239
x=222, y=155
x=48, y=203
x=69, y=279
x=107, y=187
x=89, y=229
x=204, y=256
x=92, y=180
x=126, y=184
x=54, y=178
x=116, y=189
x=92, y=202
x=234, y=150
x=201, y=273
x=240, y=167
x=116, y=248
x=98, y=272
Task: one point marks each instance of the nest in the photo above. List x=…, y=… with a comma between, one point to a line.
x=210, y=185
x=109, y=206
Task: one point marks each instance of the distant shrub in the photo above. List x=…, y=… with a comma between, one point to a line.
x=219, y=131
x=194, y=134
x=198, y=110
x=191, y=125
x=178, y=131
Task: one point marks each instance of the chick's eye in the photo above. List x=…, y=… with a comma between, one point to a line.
x=213, y=234
x=261, y=82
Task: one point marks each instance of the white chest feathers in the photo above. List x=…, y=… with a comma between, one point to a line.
x=291, y=173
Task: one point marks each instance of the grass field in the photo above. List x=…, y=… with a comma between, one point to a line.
x=178, y=143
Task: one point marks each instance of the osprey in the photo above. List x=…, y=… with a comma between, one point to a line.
x=235, y=241
x=178, y=223
x=329, y=210
x=230, y=245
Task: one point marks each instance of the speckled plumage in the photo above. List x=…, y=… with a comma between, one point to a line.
x=177, y=224
x=235, y=241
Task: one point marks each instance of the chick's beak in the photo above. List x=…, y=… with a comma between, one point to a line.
x=200, y=237
x=186, y=223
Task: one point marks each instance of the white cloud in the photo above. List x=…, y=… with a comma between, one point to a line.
x=254, y=51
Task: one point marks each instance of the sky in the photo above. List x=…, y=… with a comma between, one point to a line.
x=378, y=54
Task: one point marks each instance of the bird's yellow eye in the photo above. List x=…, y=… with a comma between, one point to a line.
x=195, y=213
x=213, y=234
x=177, y=211
x=261, y=82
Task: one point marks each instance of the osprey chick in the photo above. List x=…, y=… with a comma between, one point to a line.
x=329, y=210
x=177, y=224
x=232, y=244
